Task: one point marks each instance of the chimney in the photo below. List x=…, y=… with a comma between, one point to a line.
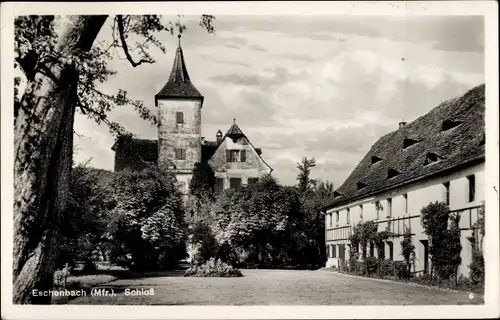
x=402, y=124
x=218, y=136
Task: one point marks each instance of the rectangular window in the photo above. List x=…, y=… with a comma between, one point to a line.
x=334, y=247
x=243, y=155
x=234, y=155
x=179, y=117
x=180, y=154
x=360, y=212
x=337, y=217
x=330, y=220
x=389, y=208
x=405, y=203
x=219, y=185
x=377, y=209
x=348, y=217
x=252, y=180
x=235, y=183
x=472, y=188
x=391, y=250
x=447, y=193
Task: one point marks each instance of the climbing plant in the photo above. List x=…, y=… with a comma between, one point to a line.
x=407, y=247
x=444, y=242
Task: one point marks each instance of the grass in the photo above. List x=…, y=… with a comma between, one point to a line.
x=274, y=287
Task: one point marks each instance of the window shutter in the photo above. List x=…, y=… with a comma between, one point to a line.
x=243, y=156
x=179, y=117
x=228, y=156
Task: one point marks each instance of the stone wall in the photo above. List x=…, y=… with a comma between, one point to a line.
x=172, y=135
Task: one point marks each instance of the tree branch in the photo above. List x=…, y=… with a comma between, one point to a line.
x=121, y=31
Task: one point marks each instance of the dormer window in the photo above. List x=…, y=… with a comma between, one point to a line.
x=392, y=173
x=409, y=142
x=337, y=194
x=450, y=124
x=432, y=158
x=361, y=185
x=376, y=159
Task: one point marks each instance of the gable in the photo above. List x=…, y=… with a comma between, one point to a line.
x=253, y=159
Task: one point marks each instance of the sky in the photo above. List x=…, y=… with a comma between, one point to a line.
x=302, y=86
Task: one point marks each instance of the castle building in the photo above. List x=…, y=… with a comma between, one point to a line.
x=180, y=146
x=438, y=157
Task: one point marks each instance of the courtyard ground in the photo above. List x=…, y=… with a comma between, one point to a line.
x=274, y=287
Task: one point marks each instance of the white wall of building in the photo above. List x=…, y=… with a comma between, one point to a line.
x=418, y=195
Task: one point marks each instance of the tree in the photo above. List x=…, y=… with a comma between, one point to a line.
x=202, y=182
x=84, y=224
x=304, y=181
x=147, y=225
x=444, y=242
x=61, y=73
x=256, y=219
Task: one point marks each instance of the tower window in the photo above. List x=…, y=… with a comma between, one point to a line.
x=179, y=117
x=447, y=193
x=235, y=183
x=180, y=154
x=472, y=188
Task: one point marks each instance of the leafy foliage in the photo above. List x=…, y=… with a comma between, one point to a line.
x=407, y=247
x=202, y=182
x=147, y=222
x=444, y=242
x=84, y=224
x=304, y=180
x=476, y=267
x=132, y=35
x=213, y=268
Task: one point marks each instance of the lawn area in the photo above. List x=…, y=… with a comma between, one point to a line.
x=274, y=287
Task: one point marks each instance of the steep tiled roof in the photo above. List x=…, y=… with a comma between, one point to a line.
x=179, y=85
x=396, y=165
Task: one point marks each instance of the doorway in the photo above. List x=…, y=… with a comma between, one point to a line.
x=425, y=243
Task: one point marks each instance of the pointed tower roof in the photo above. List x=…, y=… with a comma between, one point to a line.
x=234, y=131
x=179, y=85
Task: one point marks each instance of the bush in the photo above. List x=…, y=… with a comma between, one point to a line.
x=371, y=265
x=386, y=268
x=213, y=268
x=476, y=268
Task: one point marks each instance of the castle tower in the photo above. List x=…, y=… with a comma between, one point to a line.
x=179, y=122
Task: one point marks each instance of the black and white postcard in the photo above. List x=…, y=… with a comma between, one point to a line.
x=250, y=160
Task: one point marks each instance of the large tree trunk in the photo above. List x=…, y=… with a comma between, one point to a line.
x=43, y=146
